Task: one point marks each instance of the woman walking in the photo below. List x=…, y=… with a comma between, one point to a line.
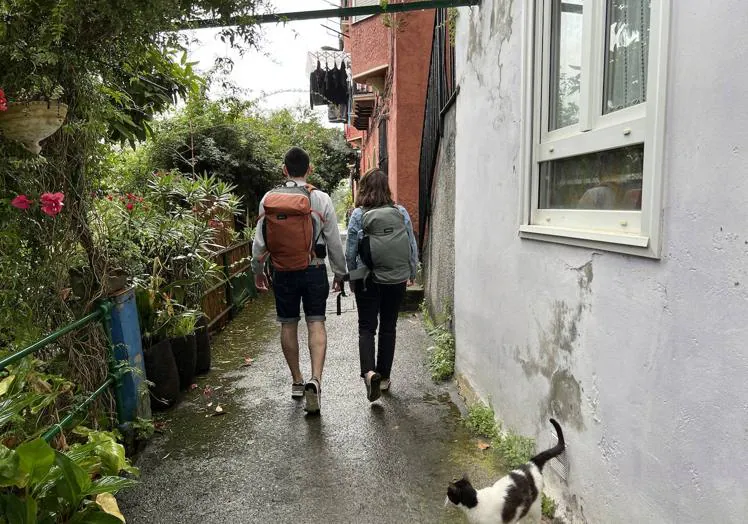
x=382, y=259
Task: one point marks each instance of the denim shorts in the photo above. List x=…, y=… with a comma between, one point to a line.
x=292, y=288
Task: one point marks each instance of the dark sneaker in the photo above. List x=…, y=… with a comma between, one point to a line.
x=312, y=396
x=373, y=382
x=384, y=385
x=297, y=390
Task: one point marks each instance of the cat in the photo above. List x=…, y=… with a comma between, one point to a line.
x=513, y=498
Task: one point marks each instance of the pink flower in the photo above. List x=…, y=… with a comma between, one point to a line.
x=129, y=206
x=51, y=203
x=21, y=202
x=3, y=101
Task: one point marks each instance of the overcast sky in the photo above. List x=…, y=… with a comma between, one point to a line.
x=281, y=63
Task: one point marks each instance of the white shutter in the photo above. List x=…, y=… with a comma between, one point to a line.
x=358, y=3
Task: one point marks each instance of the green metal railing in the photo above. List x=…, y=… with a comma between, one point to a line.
x=101, y=314
x=317, y=14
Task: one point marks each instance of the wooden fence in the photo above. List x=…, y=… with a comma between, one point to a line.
x=224, y=296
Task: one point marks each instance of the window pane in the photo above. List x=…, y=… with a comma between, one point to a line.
x=566, y=62
x=626, y=54
x=604, y=180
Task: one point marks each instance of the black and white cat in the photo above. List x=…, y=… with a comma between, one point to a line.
x=513, y=498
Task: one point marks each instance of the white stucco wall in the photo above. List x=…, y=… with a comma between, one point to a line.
x=644, y=362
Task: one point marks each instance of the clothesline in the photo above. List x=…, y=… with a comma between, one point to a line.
x=327, y=59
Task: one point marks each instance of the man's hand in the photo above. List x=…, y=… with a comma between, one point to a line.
x=411, y=283
x=337, y=286
x=261, y=283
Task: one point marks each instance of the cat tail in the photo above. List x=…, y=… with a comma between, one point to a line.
x=541, y=458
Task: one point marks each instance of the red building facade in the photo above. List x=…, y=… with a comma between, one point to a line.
x=390, y=59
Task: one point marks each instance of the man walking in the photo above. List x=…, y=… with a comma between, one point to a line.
x=298, y=229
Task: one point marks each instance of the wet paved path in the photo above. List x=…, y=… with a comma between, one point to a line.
x=264, y=461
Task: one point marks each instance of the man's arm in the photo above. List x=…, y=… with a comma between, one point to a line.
x=259, y=253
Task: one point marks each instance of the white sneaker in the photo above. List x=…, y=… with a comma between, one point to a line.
x=312, y=396
x=297, y=389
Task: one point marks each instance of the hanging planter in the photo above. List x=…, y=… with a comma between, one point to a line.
x=31, y=122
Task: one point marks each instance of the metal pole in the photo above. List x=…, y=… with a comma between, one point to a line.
x=54, y=430
x=342, y=12
x=36, y=346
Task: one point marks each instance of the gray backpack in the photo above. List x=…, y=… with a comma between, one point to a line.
x=385, y=247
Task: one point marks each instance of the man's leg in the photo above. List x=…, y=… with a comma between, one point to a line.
x=314, y=298
x=290, y=345
x=317, y=347
x=288, y=308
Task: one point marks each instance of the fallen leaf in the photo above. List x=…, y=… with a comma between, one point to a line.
x=108, y=505
x=219, y=409
x=5, y=384
x=483, y=445
x=210, y=404
x=247, y=362
x=166, y=456
x=159, y=426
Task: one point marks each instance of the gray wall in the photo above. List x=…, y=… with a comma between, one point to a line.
x=439, y=249
x=643, y=361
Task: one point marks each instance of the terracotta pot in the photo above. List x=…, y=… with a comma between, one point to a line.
x=31, y=122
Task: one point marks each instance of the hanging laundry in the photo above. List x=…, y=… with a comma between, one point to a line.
x=317, y=87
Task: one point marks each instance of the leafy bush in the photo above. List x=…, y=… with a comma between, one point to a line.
x=41, y=484
x=548, y=507
x=481, y=421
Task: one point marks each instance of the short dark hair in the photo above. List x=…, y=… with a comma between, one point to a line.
x=296, y=162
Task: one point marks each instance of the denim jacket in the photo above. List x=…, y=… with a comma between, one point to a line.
x=356, y=233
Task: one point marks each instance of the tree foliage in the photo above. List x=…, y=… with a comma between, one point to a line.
x=232, y=141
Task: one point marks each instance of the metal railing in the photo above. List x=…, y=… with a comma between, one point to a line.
x=442, y=90
x=101, y=314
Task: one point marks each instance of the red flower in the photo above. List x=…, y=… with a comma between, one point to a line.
x=21, y=201
x=129, y=206
x=109, y=197
x=3, y=101
x=51, y=203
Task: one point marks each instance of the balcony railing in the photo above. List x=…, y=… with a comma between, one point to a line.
x=442, y=90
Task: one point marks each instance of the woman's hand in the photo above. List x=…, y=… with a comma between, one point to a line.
x=411, y=283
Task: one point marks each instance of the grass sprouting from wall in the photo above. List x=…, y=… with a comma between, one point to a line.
x=441, y=356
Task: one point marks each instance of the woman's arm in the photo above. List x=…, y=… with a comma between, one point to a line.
x=413, y=244
x=354, y=232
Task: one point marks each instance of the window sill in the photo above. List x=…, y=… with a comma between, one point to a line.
x=630, y=244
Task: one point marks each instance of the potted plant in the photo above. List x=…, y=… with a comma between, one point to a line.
x=32, y=113
x=160, y=366
x=181, y=332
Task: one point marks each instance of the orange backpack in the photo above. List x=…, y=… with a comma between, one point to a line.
x=288, y=227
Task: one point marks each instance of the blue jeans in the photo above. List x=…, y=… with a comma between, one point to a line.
x=309, y=287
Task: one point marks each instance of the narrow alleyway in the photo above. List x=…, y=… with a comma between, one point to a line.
x=264, y=461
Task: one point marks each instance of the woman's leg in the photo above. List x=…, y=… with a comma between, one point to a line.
x=367, y=303
x=389, y=308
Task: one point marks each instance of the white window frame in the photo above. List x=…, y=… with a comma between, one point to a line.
x=632, y=232
x=359, y=3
